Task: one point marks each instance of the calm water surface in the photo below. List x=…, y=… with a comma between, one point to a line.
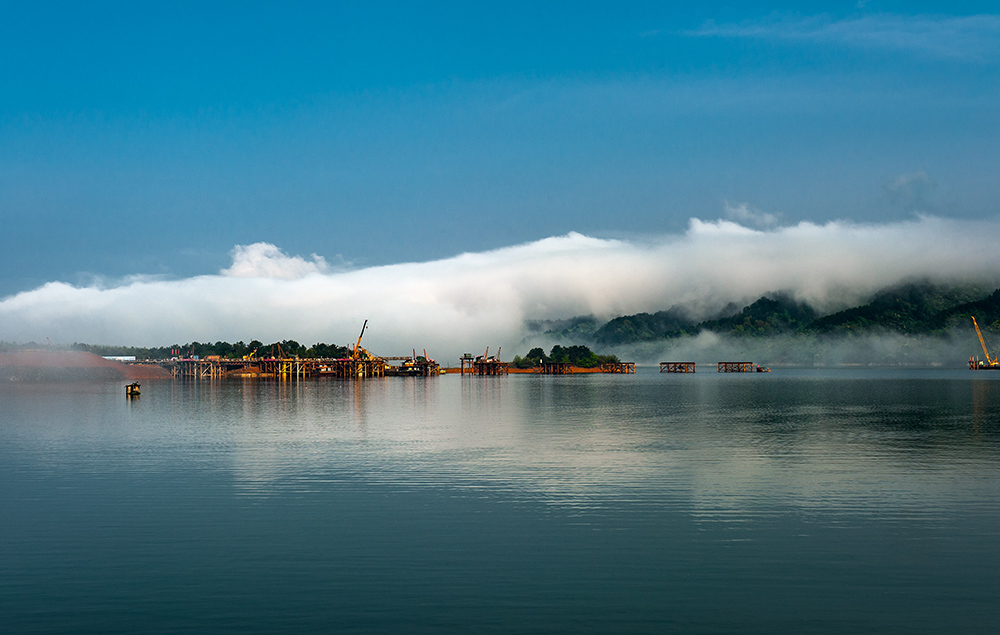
x=794, y=502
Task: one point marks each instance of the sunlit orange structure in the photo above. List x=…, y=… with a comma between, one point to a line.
x=676, y=367
x=735, y=367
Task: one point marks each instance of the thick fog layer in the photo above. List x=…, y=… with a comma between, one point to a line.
x=706, y=348
x=475, y=300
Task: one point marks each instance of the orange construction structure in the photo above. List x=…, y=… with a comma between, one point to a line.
x=676, y=367
x=735, y=367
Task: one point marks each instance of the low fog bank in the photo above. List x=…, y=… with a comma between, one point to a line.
x=474, y=300
x=891, y=349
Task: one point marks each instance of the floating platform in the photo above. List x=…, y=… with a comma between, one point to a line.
x=977, y=364
x=735, y=367
x=619, y=367
x=555, y=368
x=676, y=367
x=412, y=367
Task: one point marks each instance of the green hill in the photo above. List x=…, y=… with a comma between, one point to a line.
x=645, y=327
x=914, y=308
x=986, y=310
x=767, y=316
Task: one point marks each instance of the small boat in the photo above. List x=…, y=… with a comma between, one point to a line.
x=763, y=369
x=132, y=390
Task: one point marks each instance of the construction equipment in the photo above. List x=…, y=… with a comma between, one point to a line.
x=485, y=364
x=357, y=347
x=485, y=357
x=990, y=362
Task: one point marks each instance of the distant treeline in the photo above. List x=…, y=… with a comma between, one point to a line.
x=912, y=309
x=239, y=350
x=576, y=355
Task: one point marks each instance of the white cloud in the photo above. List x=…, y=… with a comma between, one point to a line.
x=959, y=37
x=745, y=214
x=264, y=260
x=473, y=300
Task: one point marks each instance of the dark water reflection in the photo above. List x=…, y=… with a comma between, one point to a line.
x=800, y=501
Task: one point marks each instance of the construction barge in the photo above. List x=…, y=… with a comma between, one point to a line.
x=990, y=363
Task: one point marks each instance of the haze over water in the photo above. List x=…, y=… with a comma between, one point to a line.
x=800, y=501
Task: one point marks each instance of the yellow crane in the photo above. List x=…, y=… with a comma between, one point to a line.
x=357, y=347
x=991, y=362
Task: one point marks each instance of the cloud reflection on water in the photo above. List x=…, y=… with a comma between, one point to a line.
x=723, y=448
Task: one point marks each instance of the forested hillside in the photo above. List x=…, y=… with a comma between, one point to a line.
x=918, y=308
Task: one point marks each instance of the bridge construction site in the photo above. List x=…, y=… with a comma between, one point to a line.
x=360, y=363
x=294, y=368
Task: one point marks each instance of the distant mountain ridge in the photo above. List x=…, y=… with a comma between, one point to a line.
x=913, y=308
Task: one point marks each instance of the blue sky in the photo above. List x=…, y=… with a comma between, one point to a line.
x=151, y=139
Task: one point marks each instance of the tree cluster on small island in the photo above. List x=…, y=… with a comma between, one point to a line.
x=224, y=350
x=580, y=356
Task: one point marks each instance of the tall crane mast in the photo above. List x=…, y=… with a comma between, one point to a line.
x=982, y=342
x=357, y=347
